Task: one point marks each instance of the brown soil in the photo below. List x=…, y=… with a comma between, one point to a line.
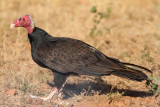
x=130, y=33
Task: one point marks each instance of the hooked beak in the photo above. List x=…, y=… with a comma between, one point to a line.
x=16, y=23
x=12, y=26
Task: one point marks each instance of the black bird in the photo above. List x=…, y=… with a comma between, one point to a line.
x=67, y=56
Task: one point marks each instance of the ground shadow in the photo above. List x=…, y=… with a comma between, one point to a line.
x=90, y=88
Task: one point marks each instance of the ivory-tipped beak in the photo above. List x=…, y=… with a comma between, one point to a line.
x=12, y=26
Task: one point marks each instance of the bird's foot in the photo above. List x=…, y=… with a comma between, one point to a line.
x=48, y=97
x=59, y=96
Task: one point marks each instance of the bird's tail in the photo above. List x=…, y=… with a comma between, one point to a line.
x=133, y=72
x=136, y=67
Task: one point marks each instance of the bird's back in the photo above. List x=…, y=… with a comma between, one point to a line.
x=66, y=55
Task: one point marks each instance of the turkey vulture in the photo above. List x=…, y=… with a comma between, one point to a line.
x=67, y=56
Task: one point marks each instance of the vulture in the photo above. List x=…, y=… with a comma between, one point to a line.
x=68, y=56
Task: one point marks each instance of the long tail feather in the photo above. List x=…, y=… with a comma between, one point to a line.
x=136, y=66
x=131, y=73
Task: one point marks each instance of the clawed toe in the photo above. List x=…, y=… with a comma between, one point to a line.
x=48, y=97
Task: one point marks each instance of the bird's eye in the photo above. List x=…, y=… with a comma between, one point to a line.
x=23, y=19
x=20, y=19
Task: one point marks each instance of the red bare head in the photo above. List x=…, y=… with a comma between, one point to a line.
x=24, y=21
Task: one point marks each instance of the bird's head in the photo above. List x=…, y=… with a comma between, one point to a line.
x=24, y=21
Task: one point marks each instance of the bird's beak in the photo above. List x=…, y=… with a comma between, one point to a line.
x=12, y=26
x=16, y=23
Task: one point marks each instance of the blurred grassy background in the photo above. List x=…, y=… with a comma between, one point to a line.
x=131, y=33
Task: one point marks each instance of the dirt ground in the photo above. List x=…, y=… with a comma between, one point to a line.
x=128, y=30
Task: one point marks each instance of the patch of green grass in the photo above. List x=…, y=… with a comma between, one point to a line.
x=146, y=55
x=124, y=54
x=25, y=87
x=153, y=83
x=98, y=17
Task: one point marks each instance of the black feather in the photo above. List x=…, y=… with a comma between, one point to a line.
x=67, y=56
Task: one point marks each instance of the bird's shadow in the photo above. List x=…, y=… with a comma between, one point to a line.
x=89, y=88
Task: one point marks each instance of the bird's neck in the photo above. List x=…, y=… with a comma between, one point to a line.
x=37, y=36
x=30, y=29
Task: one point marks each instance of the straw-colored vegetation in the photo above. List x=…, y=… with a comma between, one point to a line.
x=129, y=31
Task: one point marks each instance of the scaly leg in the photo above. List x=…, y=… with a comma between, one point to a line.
x=48, y=97
x=59, y=92
x=59, y=81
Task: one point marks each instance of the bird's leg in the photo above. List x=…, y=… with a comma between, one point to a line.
x=48, y=97
x=59, y=81
x=59, y=92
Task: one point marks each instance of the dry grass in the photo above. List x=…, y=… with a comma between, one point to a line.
x=134, y=32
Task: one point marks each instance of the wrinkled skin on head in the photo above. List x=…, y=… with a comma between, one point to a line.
x=24, y=21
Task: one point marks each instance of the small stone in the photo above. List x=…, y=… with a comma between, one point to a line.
x=11, y=92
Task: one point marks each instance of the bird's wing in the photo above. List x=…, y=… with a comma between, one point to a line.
x=69, y=55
